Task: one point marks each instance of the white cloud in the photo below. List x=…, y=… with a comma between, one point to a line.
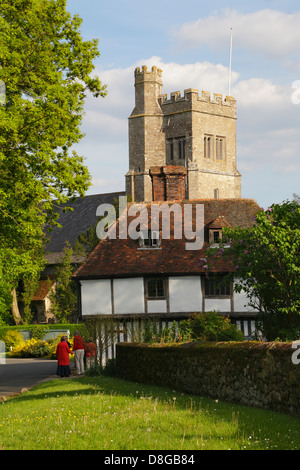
x=259, y=92
x=269, y=32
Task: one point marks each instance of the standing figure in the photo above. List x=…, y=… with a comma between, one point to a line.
x=79, y=348
x=63, y=359
x=90, y=353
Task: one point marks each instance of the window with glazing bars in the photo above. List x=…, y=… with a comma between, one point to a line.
x=156, y=288
x=217, y=286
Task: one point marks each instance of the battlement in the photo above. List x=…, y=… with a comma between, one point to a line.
x=143, y=74
x=191, y=94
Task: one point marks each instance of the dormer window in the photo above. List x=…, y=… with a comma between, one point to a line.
x=216, y=235
x=149, y=239
x=215, y=229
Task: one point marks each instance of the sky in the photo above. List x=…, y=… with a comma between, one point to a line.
x=190, y=42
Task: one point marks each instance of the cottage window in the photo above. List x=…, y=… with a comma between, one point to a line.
x=217, y=286
x=156, y=288
x=149, y=239
x=215, y=235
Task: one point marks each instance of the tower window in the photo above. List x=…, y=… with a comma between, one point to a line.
x=171, y=150
x=207, y=146
x=216, y=193
x=220, y=148
x=181, y=148
x=176, y=148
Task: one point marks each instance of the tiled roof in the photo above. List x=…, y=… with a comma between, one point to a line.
x=74, y=222
x=219, y=222
x=123, y=257
x=44, y=287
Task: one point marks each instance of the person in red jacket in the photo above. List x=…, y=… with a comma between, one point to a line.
x=79, y=348
x=63, y=359
x=91, y=349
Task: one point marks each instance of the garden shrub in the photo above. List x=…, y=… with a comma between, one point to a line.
x=37, y=348
x=39, y=331
x=31, y=348
x=210, y=326
x=12, y=338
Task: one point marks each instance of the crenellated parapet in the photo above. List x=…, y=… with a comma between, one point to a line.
x=193, y=101
x=142, y=74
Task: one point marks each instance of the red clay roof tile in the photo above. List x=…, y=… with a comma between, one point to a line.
x=120, y=258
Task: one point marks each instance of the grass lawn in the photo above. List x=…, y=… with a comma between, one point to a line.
x=111, y=414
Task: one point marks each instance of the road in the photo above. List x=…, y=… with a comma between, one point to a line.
x=17, y=374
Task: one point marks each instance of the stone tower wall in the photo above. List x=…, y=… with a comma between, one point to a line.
x=195, y=131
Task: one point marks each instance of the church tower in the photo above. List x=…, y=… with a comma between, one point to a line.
x=183, y=147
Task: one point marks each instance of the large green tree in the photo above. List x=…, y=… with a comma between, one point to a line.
x=46, y=67
x=266, y=266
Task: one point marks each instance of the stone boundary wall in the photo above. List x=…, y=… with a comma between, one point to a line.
x=250, y=373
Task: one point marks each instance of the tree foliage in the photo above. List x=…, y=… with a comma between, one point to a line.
x=47, y=68
x=266, y=266
x=64, y=297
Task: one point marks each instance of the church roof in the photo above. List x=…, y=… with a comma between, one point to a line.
x=123, y=257
x=74, y=222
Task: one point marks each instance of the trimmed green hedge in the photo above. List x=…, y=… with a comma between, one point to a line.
x=47, y=327
x=252, y=373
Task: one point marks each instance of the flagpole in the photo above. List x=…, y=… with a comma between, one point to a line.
x=230, y=56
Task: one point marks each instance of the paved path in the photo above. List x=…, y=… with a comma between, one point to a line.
x=17, y=374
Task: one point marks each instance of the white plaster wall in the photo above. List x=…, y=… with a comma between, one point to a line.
x=157, y=306
x=185, y=294
x=96, y=297
x=240, y=303
x=219, y=305
x=129, y=295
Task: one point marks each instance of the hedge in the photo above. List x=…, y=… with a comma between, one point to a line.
x=53, y=326
x=252, y=373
